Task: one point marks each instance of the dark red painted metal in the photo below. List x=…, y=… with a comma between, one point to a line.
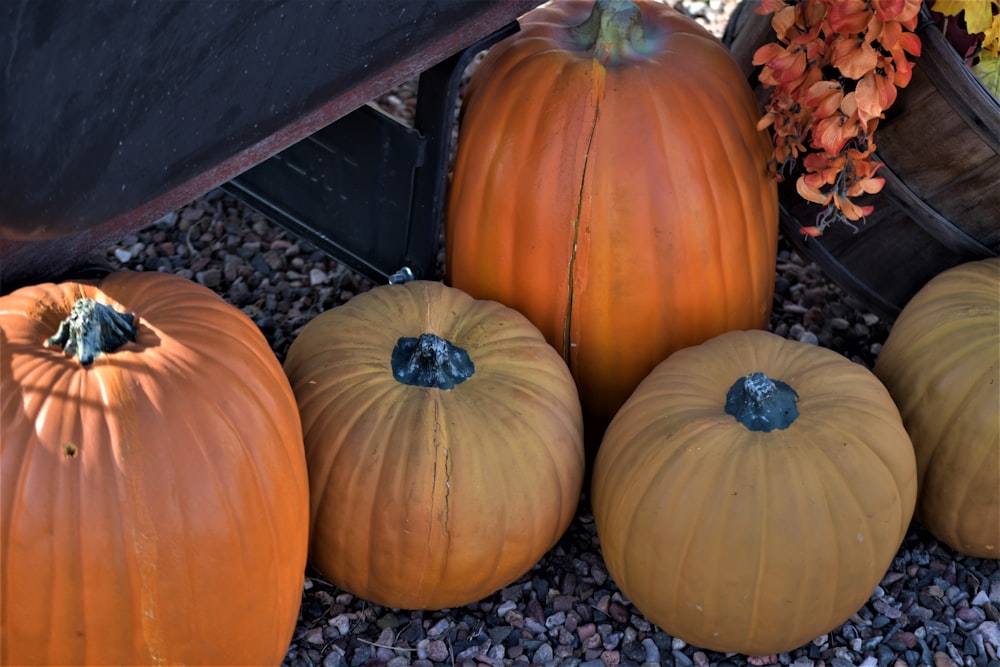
x=24, y=260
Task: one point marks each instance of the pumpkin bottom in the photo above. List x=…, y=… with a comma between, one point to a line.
x=718, y=612
x=970, y=528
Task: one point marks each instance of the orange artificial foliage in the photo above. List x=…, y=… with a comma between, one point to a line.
x=834, y=70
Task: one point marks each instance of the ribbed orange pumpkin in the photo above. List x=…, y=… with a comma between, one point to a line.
x=153, y=498
x=610, y=184
x=444, y=442
x=752, y=492
x=941, y=363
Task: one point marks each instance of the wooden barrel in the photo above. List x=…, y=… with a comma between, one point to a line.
x=940, y=206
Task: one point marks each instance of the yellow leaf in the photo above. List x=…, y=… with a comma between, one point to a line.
x=991, y=39
x=988, y=71
x=978, y=13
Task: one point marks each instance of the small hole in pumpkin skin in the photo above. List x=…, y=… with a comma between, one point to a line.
x=70, y=450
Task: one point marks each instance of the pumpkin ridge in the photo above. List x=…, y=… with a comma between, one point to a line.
x=963, y=501
x=139, y=532
x=554, y=466
x=938, y=451
x=805, y=600
x=254, y=463
x=757, y=585
x=635, y=512
x=345, y=429
x=874, y=454
x=379, y=452
x=835, y=500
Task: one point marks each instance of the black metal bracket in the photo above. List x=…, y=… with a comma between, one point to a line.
x=368, y=190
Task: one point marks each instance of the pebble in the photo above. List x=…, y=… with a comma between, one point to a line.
x=439, y=628
x=809, y=338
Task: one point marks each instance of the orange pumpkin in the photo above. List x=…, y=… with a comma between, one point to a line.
x=153, y=489
x=941, y=363
x=611, y=184
x=444, y=442
x=752, y=492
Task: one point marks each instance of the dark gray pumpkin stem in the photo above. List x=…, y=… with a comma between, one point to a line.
x=612, y=32
x=430, y=361
x=93, y=329
x=762, y=404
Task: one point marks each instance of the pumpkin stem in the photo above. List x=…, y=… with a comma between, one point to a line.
x=613, y=32
x=430, y=361
x=93, y=329
x=762, y=404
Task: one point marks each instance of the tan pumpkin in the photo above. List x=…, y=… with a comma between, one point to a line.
x=611, y=184
x=941, y=363
x=752, y=492
x=153, y=489
x=443, y=440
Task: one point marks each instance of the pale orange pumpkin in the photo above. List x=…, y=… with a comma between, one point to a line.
x=941, y=363
x=752, y=492
x=153, y=489
x=611, y=184
x=444, y=442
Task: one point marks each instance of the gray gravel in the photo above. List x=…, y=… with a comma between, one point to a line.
x=933, y=607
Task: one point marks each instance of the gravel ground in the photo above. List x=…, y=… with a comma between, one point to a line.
x=933, y=607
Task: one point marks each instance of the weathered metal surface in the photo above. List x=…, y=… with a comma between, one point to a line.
x=114, y=114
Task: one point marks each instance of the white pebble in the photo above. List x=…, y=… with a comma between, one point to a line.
x=439, y=628
x=989, y=631
x=809, y=338
x=342, y=623
x=506, y=607
x=317, y=277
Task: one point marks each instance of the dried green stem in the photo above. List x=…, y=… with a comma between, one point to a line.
x=93, y=329
x=613, y=32
x=430, y=361
x=762, y=404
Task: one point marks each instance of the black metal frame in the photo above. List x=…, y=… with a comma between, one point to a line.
x=368, y=190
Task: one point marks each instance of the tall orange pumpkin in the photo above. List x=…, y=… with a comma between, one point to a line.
x=611, y=184
x=153, y=488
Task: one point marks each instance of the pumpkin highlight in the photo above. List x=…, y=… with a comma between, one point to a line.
x=153, y=489
x=610, y=183
x=444, y=442
x=736, y=524
x=941, y=363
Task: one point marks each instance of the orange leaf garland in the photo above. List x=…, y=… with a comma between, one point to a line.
x=828, y=121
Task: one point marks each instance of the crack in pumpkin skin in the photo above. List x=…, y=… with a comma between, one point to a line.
x=597, y=93
x=440, y=448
